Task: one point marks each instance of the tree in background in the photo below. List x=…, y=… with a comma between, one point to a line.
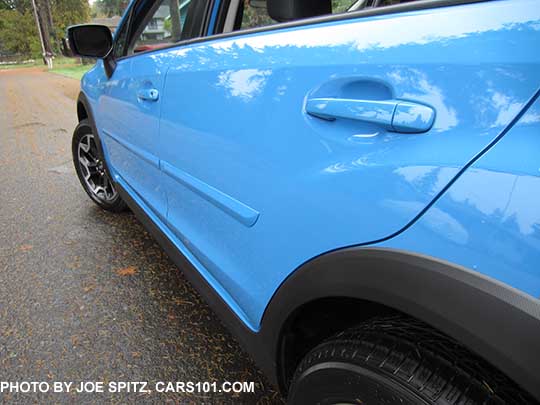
x=19, y=5
x=68, y=12
x=18, y=31
x=18, y=34
x=108, y=8
x=174, y=11
x=340, y=6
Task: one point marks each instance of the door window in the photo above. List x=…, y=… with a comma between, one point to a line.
x=163, y=26
x=157, y=24
x=254, y=13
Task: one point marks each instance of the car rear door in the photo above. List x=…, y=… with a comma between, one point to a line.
x=277, y=146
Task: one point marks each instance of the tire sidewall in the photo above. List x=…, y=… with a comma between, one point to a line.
x=331, y=382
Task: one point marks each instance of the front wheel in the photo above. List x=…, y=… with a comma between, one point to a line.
x=92, y=171
x=398, y=360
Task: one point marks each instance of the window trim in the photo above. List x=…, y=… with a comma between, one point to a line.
x=230, y=17
x=125, y=23
x=365, y=13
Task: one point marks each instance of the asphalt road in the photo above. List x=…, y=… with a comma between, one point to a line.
x=86, y=295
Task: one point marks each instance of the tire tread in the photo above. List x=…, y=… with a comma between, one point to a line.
x=433, y=365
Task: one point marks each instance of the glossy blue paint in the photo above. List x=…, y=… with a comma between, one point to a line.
x=127, y=115
x=234, y=139
x=374, y=112
x=394, y=115
x=489, y=219
x=213, y=16
x=135, y=150
x=412, y=118
x=241, y=212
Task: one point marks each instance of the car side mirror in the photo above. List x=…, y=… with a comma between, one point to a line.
x=89, y=40
x=289, y=10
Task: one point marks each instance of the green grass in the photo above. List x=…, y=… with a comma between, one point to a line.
x=75, y=71
x=63, y=66
x=20, y=65
x=58, y=61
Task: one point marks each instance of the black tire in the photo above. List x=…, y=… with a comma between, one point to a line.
x=103, y=194
x=398, y=360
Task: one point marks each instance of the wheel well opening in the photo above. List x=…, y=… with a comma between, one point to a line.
x=316, y=321
x=81, y=111
x=319, y=320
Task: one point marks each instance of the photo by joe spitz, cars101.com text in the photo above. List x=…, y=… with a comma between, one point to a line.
x=273, y=201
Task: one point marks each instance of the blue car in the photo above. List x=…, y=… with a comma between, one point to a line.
x=353, y=186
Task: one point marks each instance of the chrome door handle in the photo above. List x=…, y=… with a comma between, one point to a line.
x=148, y=94
x=394, y=115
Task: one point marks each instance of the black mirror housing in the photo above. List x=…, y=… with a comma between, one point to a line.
x=89, y=40
x=290, y=10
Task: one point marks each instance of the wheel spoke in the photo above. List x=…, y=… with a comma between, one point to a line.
x=91, y=158
x=85, y=146
x=90, y=167
x=99, y=190
x=84, y=165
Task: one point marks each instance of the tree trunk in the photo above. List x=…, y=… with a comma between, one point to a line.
x=45, y=24
x=176, y=28
x=48, y=11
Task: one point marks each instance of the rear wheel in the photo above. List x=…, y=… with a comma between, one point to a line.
x=398, y=360
x=92, y=171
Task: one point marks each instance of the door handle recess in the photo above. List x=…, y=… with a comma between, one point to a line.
x=148, y=94
x=394, y=115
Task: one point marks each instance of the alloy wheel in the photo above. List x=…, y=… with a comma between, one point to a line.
x=93, y=170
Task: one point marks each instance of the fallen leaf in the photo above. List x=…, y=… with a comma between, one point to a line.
x=127, y=271
x=89, y=288
x=179, y=301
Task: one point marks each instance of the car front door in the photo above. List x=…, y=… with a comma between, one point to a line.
x=284, y=144
x=130, y=108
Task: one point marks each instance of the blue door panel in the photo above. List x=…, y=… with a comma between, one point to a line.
x=234, y=121
x=489, y=219
x=110, y=112
x=129, y=126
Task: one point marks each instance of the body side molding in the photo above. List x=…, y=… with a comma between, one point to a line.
x=238, y=210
